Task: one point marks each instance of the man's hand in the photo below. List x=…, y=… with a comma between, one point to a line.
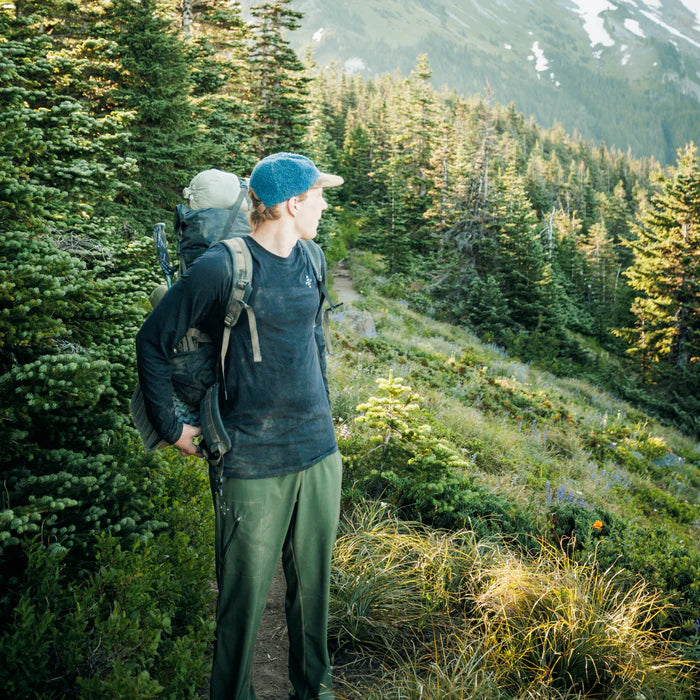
x=185, y=444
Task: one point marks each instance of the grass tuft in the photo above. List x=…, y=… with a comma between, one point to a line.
x=432, y=614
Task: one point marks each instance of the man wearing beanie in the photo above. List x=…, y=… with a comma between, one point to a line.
x=280, y=490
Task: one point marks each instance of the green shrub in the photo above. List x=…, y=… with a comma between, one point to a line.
x=129, y=629
x=397, y=458
x=665, y=561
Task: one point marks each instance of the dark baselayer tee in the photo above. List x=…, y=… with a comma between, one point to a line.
x=277, y=411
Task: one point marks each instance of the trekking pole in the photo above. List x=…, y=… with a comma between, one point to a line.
x=162, y=252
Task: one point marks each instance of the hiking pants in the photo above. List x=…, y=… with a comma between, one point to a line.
x=295, y=515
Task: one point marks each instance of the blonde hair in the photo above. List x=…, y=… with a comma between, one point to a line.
x=259, y=213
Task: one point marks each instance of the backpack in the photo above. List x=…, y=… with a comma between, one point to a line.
x=198, y=365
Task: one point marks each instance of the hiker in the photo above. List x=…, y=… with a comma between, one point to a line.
x=279, y=491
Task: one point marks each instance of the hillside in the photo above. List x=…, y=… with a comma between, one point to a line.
x=541, y=457
x=620, y=71
x=537, y=440
x=553, y=458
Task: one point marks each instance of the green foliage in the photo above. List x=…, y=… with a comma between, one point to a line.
x=278, y=80
x=115, y=632
x=549, y=624
x=662, y=558
x=58, y=161
x=152, y=82
x=665, y=277
x=396, y=458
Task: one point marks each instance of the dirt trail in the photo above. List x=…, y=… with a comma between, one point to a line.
x=343, y=287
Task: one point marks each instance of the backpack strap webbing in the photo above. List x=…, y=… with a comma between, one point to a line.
x=315, y=255
x=242, y=276
x=228, y=227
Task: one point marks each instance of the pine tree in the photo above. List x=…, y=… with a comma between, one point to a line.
x=279, y=82
x=152, y=80
x=665, y=270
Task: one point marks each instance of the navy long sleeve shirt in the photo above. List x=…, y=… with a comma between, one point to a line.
x=276, y=411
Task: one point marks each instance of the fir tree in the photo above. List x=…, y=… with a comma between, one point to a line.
x=152, y=80
x=57, y=159
x=665, y=271
x=221, y=93
x=278, y=80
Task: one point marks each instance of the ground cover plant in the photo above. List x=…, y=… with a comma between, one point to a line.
x=425, y=613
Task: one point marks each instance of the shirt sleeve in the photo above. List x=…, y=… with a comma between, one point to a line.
x=200, y=292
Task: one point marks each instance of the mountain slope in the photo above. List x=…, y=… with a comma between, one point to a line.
x=555, y=452
x=624, y=71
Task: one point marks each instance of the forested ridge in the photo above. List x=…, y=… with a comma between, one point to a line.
x=573, y=257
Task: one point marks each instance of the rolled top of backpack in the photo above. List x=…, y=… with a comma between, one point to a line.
x=213, y=189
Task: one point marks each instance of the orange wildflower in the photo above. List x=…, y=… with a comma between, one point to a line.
x=598, y=525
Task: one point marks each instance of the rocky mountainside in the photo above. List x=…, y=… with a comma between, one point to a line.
x=623, y=71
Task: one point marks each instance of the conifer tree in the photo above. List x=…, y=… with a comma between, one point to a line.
x=603, y=272
x=218, y=47
x=279, y=82
x=57, y=159
x=357, y=161
x=152, y=80
x=665, y=270
x=69, y=310
x=519, y=254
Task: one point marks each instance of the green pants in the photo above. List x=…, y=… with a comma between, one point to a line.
x=256, y=521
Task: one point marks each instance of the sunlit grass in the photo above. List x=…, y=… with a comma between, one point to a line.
x=395, y=582
x=443, y=615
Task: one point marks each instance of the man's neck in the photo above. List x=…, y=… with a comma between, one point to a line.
x=276, y=237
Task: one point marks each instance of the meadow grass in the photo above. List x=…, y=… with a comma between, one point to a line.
x=436, y=614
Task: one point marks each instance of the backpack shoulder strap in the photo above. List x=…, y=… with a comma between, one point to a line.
x=241, y=287
x=235, y=209
x=318, y=262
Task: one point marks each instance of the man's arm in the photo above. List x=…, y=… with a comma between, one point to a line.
x=195, y=296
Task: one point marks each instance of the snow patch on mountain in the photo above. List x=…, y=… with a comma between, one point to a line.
x=592, y=22
x=318, y=35
x=694, y=7
x=541, y=62
x=672, y=30
x=631, y=25
x=354, y=65
x=453, y=16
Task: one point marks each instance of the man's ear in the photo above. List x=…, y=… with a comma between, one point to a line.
x=292, y=205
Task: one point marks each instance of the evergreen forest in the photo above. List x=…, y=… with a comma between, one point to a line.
x=519, y=425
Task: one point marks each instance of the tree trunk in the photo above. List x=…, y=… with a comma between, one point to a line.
x=187, y=15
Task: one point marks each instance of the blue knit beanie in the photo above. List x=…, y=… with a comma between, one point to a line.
x=280, y=176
